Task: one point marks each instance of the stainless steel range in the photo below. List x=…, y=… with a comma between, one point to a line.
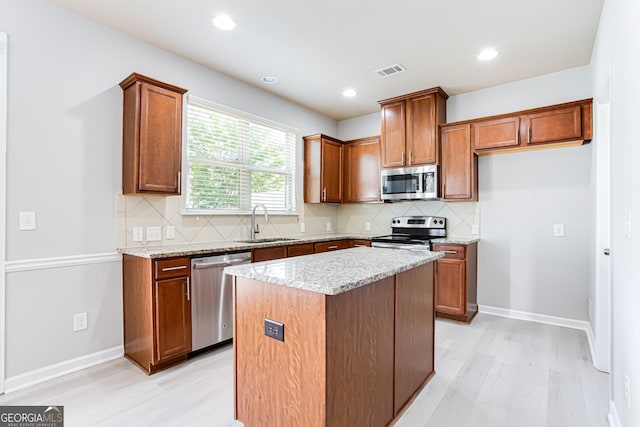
x=412, y=232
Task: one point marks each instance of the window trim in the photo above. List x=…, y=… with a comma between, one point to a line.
x=205, y=103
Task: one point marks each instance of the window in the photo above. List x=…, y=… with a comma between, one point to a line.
x=236, y=160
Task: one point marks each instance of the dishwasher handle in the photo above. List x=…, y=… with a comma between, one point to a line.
x=221, y=263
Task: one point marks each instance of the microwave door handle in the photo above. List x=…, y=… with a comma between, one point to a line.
x=421, y=183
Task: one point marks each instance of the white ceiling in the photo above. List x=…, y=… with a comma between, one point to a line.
x=319, y=48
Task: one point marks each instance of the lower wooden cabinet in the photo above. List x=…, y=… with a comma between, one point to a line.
x=267, y=254
x=298, y=250
x=157, y=311
x=456, y=282
x=360, y=242
x=333, y=245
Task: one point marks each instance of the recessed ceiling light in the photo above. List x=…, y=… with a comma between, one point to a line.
x=269, y=80
x=349, y=93
x=487, y=54
x=223, y=22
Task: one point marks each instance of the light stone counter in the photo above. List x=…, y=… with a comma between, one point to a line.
x=332, y=273
x=188, y=249
x=457, y=240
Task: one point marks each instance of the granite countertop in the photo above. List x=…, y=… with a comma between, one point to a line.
x=332, y=273
x=187, y=249
x=457, y=240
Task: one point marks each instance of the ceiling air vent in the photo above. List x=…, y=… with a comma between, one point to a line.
x=390, y=70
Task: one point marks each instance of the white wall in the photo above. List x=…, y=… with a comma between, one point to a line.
x=359, y=127
x=616, y=50
x=64, y=162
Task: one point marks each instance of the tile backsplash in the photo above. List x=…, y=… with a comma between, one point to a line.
x=149, y=211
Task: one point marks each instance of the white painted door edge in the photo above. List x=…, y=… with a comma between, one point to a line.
x=3, y=196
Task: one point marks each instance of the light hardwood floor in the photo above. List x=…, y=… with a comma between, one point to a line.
x=494, y=372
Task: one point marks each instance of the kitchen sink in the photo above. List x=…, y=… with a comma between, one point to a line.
x=269, y=240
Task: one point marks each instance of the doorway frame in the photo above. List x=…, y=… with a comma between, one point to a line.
x=603, y=264
x=4, y=44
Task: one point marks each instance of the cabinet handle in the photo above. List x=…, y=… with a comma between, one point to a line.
x=324, y=194
x=180, y=267
x=188, y=290
x=410, y=157
x=450, y=252
x=403, y=158
x=359, y=246
x=332, y=247
x=179, y=182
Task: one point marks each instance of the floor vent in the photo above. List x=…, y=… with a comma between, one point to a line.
x=390, y=70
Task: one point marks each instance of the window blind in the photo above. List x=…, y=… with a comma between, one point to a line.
x=236, y=160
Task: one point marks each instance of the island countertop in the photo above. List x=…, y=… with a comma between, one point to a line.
x=332, y=273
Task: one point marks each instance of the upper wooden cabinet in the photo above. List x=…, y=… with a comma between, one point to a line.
x=459, y=164
x=409, y=125
x=362, y=170
x=152, y=136
x=496, y=133
x=562, y=124
x=322, y=169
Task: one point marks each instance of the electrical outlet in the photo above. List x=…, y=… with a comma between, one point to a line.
x=27, y=221
x=138, y=234
x=274, y=329
x=475, y=229
x=302, y=227
x=171, y=232
x=558, y=230
x=79, y=322
x=627, y=390
x=328, y=226
x=154, y=234
x=367, y=226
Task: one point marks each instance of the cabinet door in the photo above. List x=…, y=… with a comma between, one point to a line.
x=498, y=133
x=459, y=171
x=298, y=250
x=450, y=286
x=160, y=140
x=331, y=175
x=393, y=134
x=562, y=124
x=312, y=163
x=172, y=318
x=422, y=129
x=362, y=171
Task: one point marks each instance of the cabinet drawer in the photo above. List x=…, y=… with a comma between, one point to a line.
x=451, y=251
x=267, y=254
x=171, y=267
x=297, y=250
x=331, y=246
x=360, y=242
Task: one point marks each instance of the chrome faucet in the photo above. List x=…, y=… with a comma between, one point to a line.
x=255, y=229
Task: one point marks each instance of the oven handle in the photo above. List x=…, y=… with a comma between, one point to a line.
x=398, y=246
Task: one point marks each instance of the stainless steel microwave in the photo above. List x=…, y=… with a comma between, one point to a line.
x=411, y=183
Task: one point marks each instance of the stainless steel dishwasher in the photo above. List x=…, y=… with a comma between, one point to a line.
x=212, y=299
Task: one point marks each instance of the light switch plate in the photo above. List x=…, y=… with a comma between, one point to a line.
x=138, y=234
x=302, y=227
x=475, y=229
x=558, y=230
x=171, y=232
x=27, y=221
x=367, y=226
x=154, y=234
x=328, y=226
x=80, y=322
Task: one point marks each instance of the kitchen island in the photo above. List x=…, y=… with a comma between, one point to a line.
x=350, y=337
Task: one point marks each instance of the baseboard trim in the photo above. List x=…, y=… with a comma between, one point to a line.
x=612, y=417
x=66, y=261
x=582, y=325
x=50, y=372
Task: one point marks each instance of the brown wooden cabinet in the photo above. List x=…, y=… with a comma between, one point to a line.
x=456, y=281
x=360, y=242
x=322, y=169
x=157, y=311
x=556, y=125
x=299, y=250
x=496, y=133
x=334, y=245
x=409, y=126
x=459, y=170
x=414, y=332
x=151, y=136
x=362, y=170
x=269, y=253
